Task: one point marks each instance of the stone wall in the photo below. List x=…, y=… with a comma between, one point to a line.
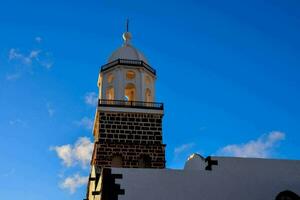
x=133, y=136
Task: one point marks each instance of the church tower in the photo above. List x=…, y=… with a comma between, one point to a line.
x=128, y=122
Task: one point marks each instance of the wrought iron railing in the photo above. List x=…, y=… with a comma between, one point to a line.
x=130, y=104
x=137, y=63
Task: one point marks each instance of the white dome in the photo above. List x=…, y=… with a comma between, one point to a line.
x=195, y=162
x=128, y=52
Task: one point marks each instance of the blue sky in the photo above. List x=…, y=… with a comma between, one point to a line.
x=228, y=73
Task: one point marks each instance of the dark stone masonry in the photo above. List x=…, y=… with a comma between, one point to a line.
x=129, y=140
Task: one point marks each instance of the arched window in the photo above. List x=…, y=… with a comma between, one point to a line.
x=145, y=161
x=130, y=92
x=148, y=95
x=147, y=81
x=130, y=75
x=287, y=195
x=110, y=78
x=117, y=161
x=110, y=93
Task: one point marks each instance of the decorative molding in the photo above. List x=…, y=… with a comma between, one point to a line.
x=126, y=62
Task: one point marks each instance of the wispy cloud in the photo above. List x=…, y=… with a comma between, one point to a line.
x=46, y=64
x=83, y=151
x=38, y=39
x=17, y=122
x=12, y=77
x=259, y=148
x=46, y=60
x=79, y=153
x=183, y=149
x=9, y=173
x=65, y=153
x=14, y=54
x=86, y=123
x=91, y=98
x=72, y=183
x=24, y=61
x=50, y=110
x=34, y=54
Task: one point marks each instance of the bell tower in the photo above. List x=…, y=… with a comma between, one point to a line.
x=128, y=122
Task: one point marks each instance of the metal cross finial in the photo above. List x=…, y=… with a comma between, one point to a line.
x=127, y=25
x=127, y=34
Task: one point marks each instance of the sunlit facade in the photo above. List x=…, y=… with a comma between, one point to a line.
x=128, y=161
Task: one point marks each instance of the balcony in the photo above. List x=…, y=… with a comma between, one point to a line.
x=132, y=63
x=130, y=104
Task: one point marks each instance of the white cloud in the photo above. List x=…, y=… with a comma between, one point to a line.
x=91, y=98
x=72, y=183
x=79, y=153
x=11, y=172
x=46, y=64
x=12, y=77
x=50, y=110
x=183, y=148
x=14, y=54
x=85, y=122
x=65, y=153
x=46, y=60
x=259, y=148
x=25, y=62
x=34, y=54
x=38, y=39
x=83, y=151
x=17, y=122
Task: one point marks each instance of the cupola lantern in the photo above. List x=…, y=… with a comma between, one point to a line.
x=127, y=75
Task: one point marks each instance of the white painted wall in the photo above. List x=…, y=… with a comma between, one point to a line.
x=232, y=179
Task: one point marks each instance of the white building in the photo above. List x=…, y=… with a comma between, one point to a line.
x=129, y=156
